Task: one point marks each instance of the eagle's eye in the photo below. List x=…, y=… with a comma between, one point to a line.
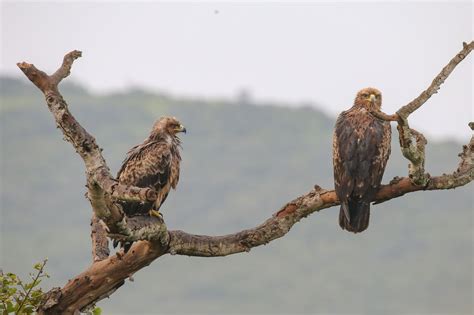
x=175, y=125
x=365, y=95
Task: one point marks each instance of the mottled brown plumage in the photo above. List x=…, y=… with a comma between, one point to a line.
x=154, y=163
x=361, y=147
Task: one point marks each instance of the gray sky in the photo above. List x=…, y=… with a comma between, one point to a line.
x=307, y=52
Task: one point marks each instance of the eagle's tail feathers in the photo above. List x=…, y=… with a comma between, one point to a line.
x=345, y=211
x=359, y=213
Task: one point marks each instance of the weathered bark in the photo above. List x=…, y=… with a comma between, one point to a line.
x=100, y=242
x=413, y=151
x=107, y=274
x=100, y=280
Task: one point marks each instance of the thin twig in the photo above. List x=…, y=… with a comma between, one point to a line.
x=40, y=271
x=381, y=115
x=408, y=109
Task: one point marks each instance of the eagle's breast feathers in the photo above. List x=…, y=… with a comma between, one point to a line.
x=361, y=147
x=155, y=164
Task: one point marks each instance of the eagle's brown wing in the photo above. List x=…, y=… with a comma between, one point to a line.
x=147, y=165
x=361, y=147
x=343, y=181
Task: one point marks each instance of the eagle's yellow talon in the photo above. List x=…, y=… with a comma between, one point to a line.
x=156, y=213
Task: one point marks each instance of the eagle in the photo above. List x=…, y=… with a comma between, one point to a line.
x=155, y=163
x=361, y=147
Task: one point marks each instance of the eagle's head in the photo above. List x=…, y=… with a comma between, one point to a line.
x=369, y=98
x=169, y=125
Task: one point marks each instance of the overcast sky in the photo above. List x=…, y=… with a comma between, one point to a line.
x=307, y=52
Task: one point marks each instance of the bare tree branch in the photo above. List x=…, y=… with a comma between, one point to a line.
x=381, y=115
x=100, y=242
x=100, y=280
x=102, y=187
x=415, y=151
x=107, y=274
x=280, y=223
x=408, y=109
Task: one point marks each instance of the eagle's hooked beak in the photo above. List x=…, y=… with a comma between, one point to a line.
x=372, y=98
x=181, y=129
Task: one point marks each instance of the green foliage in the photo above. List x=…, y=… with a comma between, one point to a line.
x=94, y=311
x=21, y=297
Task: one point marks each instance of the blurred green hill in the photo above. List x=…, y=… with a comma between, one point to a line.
x=241, y=162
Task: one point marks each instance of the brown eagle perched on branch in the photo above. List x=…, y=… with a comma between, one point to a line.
x=361, y=147
x=153, y=164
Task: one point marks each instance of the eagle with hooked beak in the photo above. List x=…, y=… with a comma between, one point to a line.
x=154, y=164
x=361, y=147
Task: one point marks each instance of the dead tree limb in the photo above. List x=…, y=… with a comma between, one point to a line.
x=100, y=242
x=408, y=109
x=414, y=151
x=107, y=274
x=102, y=187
